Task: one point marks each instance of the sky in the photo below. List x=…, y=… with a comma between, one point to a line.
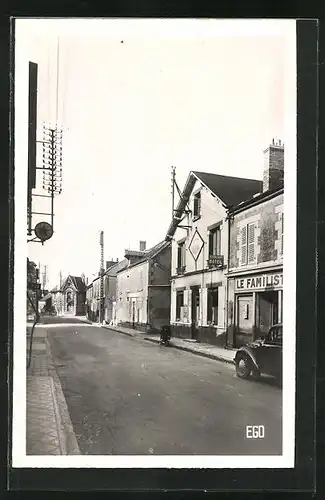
x=135, y=98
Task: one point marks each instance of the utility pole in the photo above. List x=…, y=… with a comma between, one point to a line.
x=173, y=189
x=52, y=163
x=101, y=297
x=44, y=277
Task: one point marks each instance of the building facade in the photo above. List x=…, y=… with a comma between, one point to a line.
x=255, y=275
x=57, y=301
x=73, y=296
x=109, y=293
x=199, y=234
x=143, y=288
x=33, y=287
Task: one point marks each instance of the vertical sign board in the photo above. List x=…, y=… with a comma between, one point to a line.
x=32, y=127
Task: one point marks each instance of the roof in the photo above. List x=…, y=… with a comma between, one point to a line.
x=111, y=271
x=149, y=254
x=255, y=200
x=116, y=267
x=230, y=190
x=77, y=281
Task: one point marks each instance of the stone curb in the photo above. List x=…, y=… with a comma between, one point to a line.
x=68, y=440
x=119, y=331
x=198, y=353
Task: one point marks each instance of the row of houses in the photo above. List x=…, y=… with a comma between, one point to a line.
x=217, y=277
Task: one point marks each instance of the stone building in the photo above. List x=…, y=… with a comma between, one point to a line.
x=73, y=293
x=255, y=274
x=199, y=236
x=143, y=288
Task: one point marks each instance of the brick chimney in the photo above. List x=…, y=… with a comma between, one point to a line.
x=110, y=263
x=273, y=166
x=143, y=245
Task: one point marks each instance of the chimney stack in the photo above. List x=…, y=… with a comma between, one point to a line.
x=143, y=245
x=273, y=166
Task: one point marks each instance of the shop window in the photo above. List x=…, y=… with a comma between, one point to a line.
x=179, y=305
x=215, y=241
x=197, y=205
x=248, y=244
x=212, y=316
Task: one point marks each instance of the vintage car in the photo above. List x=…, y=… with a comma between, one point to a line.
x=264, y=355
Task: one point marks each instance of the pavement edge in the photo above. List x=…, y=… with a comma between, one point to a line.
x=68, y=438
x=197, y=353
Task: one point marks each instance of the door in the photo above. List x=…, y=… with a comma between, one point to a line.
x=244, y=319
x=195, y=311
x=268, y=311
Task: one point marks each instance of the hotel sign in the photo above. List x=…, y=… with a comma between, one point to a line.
x=259, y=282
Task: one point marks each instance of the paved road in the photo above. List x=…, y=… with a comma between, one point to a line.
x=131, y=396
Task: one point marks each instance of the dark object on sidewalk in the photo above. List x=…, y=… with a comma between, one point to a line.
x=264, y=355
x=165, y=334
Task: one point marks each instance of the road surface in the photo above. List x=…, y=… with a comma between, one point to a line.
x=131, y=396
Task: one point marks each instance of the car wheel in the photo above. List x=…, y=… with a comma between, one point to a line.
x=256, y=374
x=243, y=367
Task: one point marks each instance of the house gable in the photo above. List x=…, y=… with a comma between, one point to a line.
x=228, y=191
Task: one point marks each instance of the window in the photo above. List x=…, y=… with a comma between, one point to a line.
x=197, y=205
x=281, y=234
x=215, y=241
x=179, y=304
x=248, y=244
x=181, y=255
x=212, y=316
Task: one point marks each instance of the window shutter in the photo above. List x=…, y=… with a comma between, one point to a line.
x=251, y=243
x=244, y=245
x=282, y=224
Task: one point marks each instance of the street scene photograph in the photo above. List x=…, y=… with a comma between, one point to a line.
x=154, y=296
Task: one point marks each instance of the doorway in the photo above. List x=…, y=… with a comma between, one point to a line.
x=268, y=310
x=244, y=319
x=195, y=311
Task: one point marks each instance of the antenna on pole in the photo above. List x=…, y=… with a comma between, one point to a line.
x=101, y=301
x=173, y=189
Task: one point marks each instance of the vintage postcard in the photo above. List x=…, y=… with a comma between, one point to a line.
x=155, y=242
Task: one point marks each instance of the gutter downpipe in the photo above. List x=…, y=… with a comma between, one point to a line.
x=227, y=288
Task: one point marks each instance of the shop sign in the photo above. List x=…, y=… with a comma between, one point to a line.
x=259, y=282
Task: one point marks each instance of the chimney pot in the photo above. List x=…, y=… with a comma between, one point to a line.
x=273, y=167
x=143, y=245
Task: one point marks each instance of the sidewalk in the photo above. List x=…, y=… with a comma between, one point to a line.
x=48, y=427
x=205, y=350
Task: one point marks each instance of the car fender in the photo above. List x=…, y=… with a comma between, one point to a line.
x=249, y=353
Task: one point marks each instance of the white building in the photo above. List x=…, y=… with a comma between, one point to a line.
x=109, y=297
x=199, y=235
x=143, y=288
